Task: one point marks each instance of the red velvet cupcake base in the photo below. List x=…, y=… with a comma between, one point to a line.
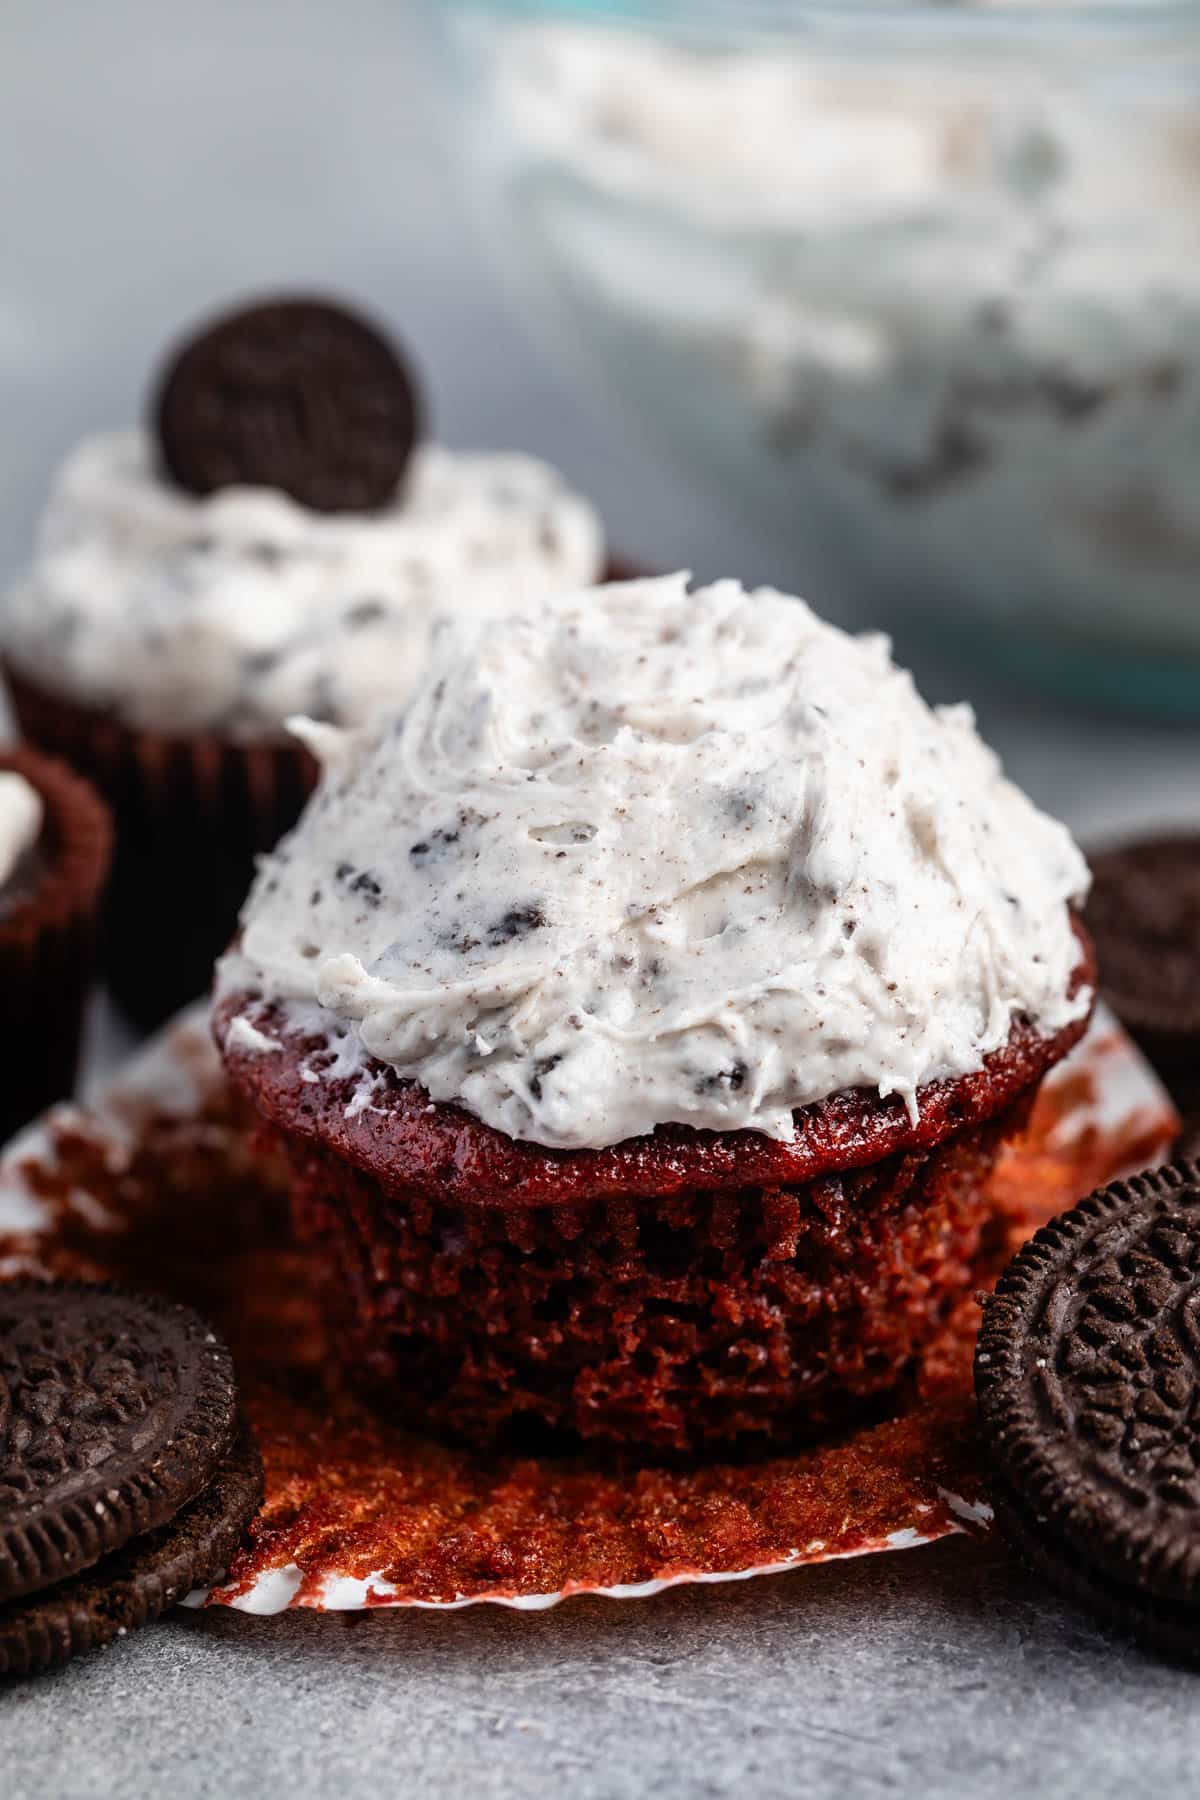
x=162, y=1189
x=750, y=1316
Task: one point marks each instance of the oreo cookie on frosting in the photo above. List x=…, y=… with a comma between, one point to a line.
x=126, y=1476
x=296, y=394
x=1088, y=1378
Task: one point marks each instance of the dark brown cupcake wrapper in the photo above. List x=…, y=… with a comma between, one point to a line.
x=47, y=943
x=191, y=814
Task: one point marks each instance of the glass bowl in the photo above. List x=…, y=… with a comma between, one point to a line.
x=915, y=289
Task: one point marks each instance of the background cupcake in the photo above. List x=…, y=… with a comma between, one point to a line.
x=55, y=841
x=641, y=1008
x=279, y=543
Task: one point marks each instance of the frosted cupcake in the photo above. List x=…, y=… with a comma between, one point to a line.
x=642, y=1006
x=55, y=841
x=164, y=632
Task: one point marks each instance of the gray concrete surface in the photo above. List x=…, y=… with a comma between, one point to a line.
x=157, y=159
x=941, y=1672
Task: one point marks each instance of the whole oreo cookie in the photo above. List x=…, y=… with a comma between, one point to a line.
x=1144, y=917
x=115, y=1412
x=1087, y=1373
x=134, y=1585
x=294, y=394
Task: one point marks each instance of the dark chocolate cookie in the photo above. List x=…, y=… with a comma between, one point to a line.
x=115, y=1411
x=134, y=1585
x=1088, y=1378
x=1144, y=916
x=295, y=394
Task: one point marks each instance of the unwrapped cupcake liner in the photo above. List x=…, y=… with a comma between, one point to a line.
x=160, y=1185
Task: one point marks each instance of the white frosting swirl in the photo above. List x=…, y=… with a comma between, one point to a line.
x=21, y=814
x=233, y=611
x=649, y=855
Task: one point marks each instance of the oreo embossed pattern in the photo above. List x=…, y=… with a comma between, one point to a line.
x=1087, y=1374
x=126, y=1477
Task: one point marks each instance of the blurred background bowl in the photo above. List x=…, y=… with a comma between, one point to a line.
x=915, y=292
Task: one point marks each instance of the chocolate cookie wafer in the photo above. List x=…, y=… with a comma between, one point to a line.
x=1088, y=1378
x=136, y=1584
x=126, y=1477
x=115, y=1411
x=294, y=394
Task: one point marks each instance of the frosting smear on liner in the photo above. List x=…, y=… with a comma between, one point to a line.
x=647, y=855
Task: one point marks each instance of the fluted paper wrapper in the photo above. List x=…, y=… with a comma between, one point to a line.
x=191, y=816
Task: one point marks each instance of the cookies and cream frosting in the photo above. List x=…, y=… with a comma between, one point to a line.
x=230, y=612
x=646, y=855
x=21, y=814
